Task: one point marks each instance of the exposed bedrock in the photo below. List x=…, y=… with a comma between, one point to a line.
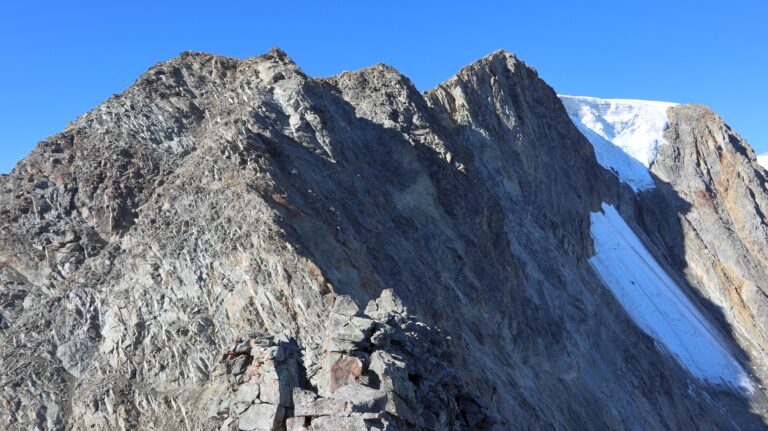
x=234, y=244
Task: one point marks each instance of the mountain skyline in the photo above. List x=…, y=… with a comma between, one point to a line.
x=400, y=216
x=235, y=244
x=66, y=59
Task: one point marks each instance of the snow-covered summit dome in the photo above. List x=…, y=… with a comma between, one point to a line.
x=626, y=134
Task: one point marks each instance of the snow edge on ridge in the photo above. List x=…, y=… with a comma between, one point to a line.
x=625, y=133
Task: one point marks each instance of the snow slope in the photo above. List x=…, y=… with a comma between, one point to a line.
x=763, y=160
x=657, y=305
x=625, y=134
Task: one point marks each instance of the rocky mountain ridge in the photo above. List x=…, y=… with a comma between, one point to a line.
x=195, y=253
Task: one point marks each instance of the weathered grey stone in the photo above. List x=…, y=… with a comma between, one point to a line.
x=385, y=305
x=238, y=407
x=303, y=398
x=247, y=392
x=223, y=407
x=345, y=306
x=382, y=335
x=361, y=398
x=330, y=423
x=244, y=347
x=262, y=340
x=276, y=353
x=275, y=391
x=401, y=408
x=344, y=371
x=363, y=324
x=344, y=336
x=393, y=374
x=240, y=364
x=296, y=424
x=227, y=425
x=306, y=403
x=261, y=417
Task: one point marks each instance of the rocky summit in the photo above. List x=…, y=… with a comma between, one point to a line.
x=234, y=245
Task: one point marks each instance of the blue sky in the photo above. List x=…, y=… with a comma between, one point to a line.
x=61, y=59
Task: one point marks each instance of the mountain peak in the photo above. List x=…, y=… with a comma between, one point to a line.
x=279, y=55
x=232, y=244
x=496, y=58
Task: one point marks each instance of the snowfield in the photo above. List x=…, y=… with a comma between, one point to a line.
x=763, y=160
x=625, y=134
x=658, y=306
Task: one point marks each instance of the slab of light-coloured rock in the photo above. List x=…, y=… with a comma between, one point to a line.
x=261, y=417
x=329, y=423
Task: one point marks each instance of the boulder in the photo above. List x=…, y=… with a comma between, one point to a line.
x=262, y=417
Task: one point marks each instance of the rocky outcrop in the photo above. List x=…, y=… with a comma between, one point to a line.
x=708, y=215
x=261, y=371
x=239, y=209
x=381, y=370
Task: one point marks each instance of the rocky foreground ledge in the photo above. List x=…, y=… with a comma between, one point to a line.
x=382, y=370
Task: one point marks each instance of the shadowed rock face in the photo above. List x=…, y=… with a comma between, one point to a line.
x=160, y=253
x=717, y=236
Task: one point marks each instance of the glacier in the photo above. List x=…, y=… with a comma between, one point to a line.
x=624, y=133
x=657, y=305
x=763, y=160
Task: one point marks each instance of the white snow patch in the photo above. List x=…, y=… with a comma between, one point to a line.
x=763, y=160
x=625, y=134
x=657, y=305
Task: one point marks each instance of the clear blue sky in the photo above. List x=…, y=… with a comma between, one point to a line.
x=61, y=59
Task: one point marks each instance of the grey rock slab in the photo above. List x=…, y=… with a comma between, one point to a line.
x=393, y=374
x=361, y=398
x=240, y=364
x=261, y=417
x=296, y=424
x=247, y=392
x=306, y=403
x=330, y=423
x=345, y=306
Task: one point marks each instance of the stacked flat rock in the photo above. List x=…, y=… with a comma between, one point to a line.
x=382, y=370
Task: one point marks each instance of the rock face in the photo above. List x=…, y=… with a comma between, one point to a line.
x=716, y=232
x=381, y=370
x=231, y=244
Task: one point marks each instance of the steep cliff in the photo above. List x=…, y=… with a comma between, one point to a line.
x=233, y=244
x=716, y=232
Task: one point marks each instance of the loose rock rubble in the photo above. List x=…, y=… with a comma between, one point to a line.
x=382, y=370
x=261, y=370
